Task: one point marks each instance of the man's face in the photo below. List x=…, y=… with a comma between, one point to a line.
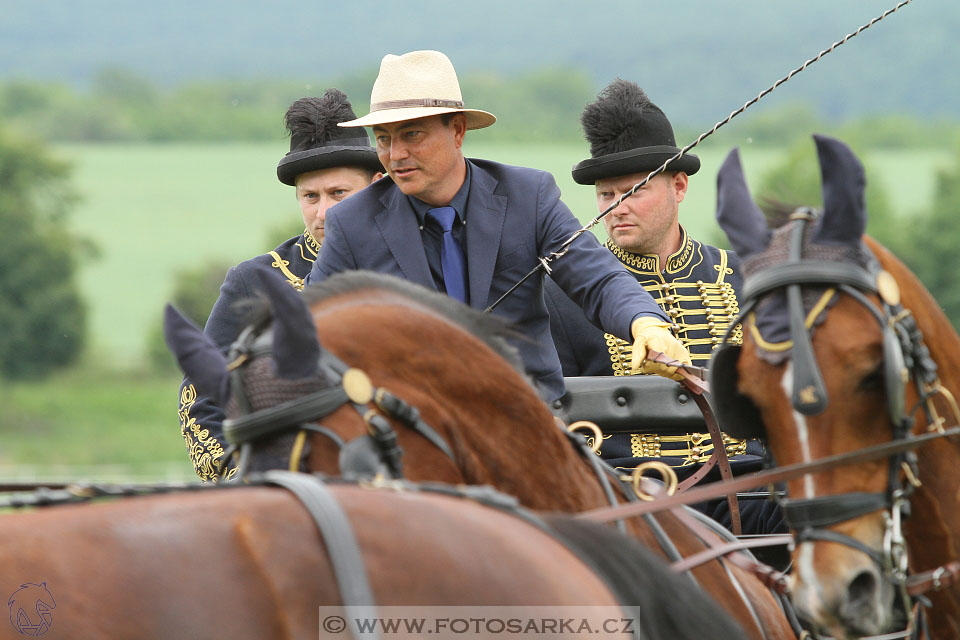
x=648, y=220
x=424, y=156
x=319, y=190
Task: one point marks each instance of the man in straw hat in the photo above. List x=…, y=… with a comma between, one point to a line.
x=695, y=284
x=326, y=164
x=473, y=228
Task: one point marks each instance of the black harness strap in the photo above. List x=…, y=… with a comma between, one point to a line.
x=409, y=416
x=824, y=511
x=811, y=534
x=809, y=395
x=278, y=418
x=337, y=534
x=809, y=272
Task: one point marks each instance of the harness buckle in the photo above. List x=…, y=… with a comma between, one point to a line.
x=666, y=472
x=805, y=213
x=911, y=476
x=894, y=548
x=935, y=578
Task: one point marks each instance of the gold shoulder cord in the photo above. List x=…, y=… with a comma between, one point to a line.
x=280, y=263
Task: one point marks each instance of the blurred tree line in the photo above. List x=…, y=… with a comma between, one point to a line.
x=538, y=106
x=41, y=310
x=42, y=315
x=122, y=106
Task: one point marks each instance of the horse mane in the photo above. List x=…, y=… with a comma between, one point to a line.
x=777, y=212
x=938, y=331
x=643, y=584
x=488, y=328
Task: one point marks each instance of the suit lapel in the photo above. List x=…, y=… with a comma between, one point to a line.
x=486, y=213
x=401, y=234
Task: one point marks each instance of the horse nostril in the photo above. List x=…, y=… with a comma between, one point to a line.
x=861, y=595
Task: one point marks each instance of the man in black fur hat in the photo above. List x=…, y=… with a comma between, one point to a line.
x=695, y=284
x=326, y=164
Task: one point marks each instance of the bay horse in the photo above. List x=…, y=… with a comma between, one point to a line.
x=250, y=562
x=439, y=382
x=837, y=325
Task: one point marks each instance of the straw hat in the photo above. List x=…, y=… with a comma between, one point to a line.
x=416, y=85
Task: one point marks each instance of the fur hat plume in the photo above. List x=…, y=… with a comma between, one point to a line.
x=316, y=142
x=627, y=134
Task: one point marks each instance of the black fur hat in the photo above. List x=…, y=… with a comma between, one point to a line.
x=627, y=134
x=316, y=142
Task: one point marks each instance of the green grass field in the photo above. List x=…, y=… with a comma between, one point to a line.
x=92, y=424
x=154, y=209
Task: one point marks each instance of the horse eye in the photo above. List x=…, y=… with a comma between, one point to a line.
x=873, y=381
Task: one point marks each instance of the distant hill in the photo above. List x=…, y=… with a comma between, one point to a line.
x=699, y=59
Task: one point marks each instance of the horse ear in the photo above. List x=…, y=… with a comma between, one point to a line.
x=198, y=356
x=296, y=350
x=843, y=183
x=738, y=215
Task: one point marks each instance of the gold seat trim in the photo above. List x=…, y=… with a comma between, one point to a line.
x=698, y=447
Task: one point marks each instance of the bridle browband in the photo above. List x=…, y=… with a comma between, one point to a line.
x=377, y=453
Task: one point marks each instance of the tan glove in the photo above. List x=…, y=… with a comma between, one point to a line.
x=654, y=333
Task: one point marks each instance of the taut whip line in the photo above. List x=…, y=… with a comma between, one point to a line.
x=544, y=262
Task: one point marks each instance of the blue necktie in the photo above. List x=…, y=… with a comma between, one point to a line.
x=452, y=260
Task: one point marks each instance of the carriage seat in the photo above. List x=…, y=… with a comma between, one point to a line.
x=642, y=417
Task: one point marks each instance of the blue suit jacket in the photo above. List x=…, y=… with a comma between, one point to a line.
x=514, y=215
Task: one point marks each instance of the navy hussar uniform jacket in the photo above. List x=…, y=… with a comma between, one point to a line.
x=201, y=421
x=697, y=288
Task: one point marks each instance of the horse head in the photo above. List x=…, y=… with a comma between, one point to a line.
x=277, y=384
x=401, y=371
x=822, y=371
